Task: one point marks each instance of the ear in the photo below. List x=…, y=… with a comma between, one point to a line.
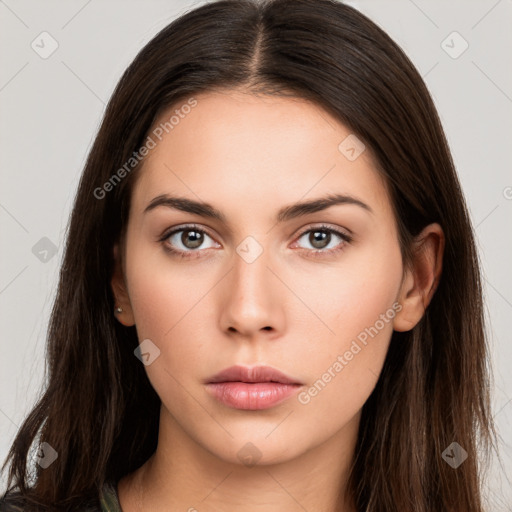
x=421, y=280
x=120, y=291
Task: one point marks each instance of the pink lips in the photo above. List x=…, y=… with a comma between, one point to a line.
x=255, y=388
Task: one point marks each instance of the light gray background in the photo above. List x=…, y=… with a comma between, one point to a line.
x=51, y=109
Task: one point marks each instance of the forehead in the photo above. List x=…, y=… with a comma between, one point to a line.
x=233, y=147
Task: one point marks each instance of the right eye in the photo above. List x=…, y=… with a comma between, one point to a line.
x=184, y=241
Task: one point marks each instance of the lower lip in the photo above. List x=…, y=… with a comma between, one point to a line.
x=251, y=396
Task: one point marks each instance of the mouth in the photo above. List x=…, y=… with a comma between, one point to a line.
x=256, y=374
x=252, y=388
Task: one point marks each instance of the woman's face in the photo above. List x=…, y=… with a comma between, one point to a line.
x=264, y=282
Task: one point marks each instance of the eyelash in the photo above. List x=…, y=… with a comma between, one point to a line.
x=197, y=253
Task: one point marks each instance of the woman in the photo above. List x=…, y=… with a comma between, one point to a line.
x=270, y=297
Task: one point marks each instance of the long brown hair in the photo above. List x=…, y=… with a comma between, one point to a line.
x=99, y=411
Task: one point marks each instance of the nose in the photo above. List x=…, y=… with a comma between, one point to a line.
x=252, y=303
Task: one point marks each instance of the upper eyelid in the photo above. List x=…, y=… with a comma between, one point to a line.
x=170, y=231
x=327, y=227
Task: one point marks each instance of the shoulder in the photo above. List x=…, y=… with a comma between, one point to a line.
x=108, y=501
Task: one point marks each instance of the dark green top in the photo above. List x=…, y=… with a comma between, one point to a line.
x=109, y=501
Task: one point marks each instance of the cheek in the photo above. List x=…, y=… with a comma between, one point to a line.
x=350, y=295
x=169, y=310
x=161, y=292
x=356, y=306
x=166, y=303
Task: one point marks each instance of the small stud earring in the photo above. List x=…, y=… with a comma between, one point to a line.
x=119, y=309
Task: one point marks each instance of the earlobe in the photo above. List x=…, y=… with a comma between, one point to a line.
x=122, y=308
x=422, y=278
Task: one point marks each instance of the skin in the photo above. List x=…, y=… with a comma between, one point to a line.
x=248, y=156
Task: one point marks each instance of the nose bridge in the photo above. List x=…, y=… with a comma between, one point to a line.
x=251, y=298
x=251, y=275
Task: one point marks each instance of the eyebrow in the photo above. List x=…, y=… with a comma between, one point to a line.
x=286, y=213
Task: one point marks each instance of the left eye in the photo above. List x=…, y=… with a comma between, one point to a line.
x=324, y=239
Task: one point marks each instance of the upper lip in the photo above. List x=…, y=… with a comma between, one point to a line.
x=252, y=374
